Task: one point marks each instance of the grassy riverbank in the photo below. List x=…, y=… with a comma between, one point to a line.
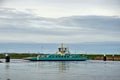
x=100, y=57
x=18, y=55
x=91, y=56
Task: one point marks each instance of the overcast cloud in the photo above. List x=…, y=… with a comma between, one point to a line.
x=59, y=21
x=60, y=8
x=23, y=26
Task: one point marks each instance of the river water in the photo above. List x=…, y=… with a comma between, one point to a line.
x=19, y=69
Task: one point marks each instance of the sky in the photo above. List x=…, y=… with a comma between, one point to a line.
x=59, y=21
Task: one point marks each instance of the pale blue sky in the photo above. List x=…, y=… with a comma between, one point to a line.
x=59, y=21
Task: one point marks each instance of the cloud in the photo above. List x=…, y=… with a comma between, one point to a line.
x=25, y=26
x=60, y=8
x=107, y=23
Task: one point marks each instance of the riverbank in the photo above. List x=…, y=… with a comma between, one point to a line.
x=91, y=56
x=116, y=57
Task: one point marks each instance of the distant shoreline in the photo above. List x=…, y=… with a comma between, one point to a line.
x=91, y=56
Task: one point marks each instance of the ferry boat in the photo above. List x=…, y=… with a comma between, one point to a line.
x=62, y=54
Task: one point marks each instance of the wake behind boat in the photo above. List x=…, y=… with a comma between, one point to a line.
x=62, y=54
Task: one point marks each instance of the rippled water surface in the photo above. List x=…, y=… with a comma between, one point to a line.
x=57, y=70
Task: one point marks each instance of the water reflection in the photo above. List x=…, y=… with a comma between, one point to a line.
x=63, y=69
x=7, y=67
x=63, y=66
x=60, y=65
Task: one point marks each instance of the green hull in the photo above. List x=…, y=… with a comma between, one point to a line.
x=57, y=57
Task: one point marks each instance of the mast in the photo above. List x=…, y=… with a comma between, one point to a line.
x=63, y=49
